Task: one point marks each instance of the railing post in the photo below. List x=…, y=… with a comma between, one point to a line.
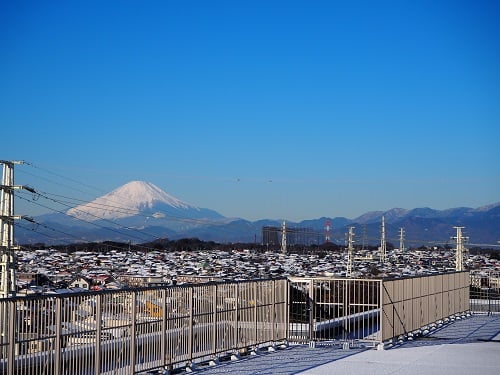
x=273, y=316
x=310, y=301
x=163, y=340
x=190, y=328
x=381, y=310
x=345, y=313
x=133, y=333
x=57, y=340
x=98, y=334
x=255, y=312
x=11, y=305
x=215, y=320
x=286, y=298
x=237, y=318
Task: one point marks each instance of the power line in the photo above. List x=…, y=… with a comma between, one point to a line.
x=69, y=203
x=82, y=241
x=66, y=178
x=95, y=224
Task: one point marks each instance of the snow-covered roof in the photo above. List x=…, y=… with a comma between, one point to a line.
x=468, y=346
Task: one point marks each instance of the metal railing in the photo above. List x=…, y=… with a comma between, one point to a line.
x=411, y=303
x=146, y=329
x=334, y=309
x=485, y=292
x=372, y=310
x=136, y=331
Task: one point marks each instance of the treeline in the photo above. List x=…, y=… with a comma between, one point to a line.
x=195, y=244
x=184, y=244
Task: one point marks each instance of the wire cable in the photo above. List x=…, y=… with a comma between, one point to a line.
x=98, y=225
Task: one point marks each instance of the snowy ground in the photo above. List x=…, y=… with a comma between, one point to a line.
x=468, y=346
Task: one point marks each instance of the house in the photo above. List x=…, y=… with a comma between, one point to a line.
x=79, y=282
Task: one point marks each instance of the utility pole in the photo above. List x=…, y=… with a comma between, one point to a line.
x=7, y=255
x=7, y=217
x=7, y=261
x=383, y=246
x=350, y=252
x=283, y=237
x=459, y=250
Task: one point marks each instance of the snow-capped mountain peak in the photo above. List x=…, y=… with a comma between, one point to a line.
x=128, y=200
x=144, y=194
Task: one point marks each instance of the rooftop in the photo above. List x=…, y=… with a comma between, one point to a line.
x=466, y=346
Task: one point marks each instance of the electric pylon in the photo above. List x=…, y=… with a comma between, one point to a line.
x=327, y=231
x=383, y=245
x=459, y=250
x=350, y=252
x=401, y=239
x=283, y=237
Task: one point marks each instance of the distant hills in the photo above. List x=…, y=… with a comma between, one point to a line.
x=140, y=211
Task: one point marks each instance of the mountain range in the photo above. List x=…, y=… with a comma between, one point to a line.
x=140, y=212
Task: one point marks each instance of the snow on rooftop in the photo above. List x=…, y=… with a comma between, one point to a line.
x=468, y=346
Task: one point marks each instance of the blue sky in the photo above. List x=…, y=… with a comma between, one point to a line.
x=261, y=109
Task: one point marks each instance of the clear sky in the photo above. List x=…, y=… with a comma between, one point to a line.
x=257, y=109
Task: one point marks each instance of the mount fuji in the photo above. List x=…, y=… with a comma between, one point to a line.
x=139, y=199
x=138, y=211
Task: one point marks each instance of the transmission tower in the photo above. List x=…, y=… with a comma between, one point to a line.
x=459, y=251
x=363, y=243
x=327, y=231
x=283, y=237
x=350, y=252
x=383, y=245
x=401, y=239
